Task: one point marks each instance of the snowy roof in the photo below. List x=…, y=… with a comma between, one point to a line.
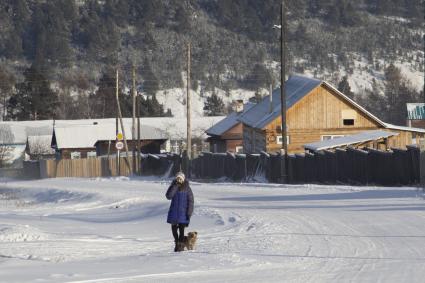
x=415, y=111
x=229, y=122
x=86, y=136
x=40, y=145
x=403, y=128
x=296, y=88
x=12, y=134
x=175, y=128
x=349, y=140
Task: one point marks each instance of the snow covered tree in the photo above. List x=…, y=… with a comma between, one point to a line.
x=7, y=81
x=345, y=88
x=34, y=99
x=214, y=106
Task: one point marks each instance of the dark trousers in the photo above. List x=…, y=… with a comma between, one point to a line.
x=178, y=232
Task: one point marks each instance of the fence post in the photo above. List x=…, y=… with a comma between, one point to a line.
x=422, y=163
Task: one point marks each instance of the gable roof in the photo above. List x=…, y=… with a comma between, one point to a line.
x=349, y=140
x=86, y=136
x=297, y=87
x=228, y=122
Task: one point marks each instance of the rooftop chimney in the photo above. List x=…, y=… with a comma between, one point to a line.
x=238, y=105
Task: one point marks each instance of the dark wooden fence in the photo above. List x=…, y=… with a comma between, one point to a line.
x=351, y=166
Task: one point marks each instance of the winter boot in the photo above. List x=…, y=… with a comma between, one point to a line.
x=176, y=247
x=180, y=246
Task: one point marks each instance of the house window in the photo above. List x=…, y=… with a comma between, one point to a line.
x=75, y=155
x=331, y=137
x=348, y=122
x=279, y=140
x=239, y=149
x=348, y=116
x=91, y=154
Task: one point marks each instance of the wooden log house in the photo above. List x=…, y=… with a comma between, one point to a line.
x=85, y=141
x=315, y=111
x=226, y=135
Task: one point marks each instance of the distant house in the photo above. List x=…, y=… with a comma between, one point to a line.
x=416, y=115
x=316, y=111
x=39, y=147
x=13, y=140
x=98, y=139
x=227, y=134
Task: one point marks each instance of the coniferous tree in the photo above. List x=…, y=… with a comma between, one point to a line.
x=345, y=88
x=214, y=106
x=103, y=101
x=34, y=99
x=150, y=81
x=7, y=81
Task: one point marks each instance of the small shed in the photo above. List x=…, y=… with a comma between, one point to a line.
x=40, y=147
x=374, y=139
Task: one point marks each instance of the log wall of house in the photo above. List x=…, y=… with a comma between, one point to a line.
x=66, y=152
x=321, y=113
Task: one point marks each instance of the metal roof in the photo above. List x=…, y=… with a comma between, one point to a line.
x=228, y=122
x=415, y=111
x=403, y=128
x=296, y=88
x=86, y=136
x=349, y=140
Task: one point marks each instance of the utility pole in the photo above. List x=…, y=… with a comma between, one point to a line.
x=139, y=163
x=284, y=162
x=122, y=124
x=117, y=160
x=188, y=104
x=133, y=125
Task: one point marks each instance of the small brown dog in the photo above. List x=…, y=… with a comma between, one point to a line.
x=190, y=240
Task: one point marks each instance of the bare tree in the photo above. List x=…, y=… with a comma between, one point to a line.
x=6, y=140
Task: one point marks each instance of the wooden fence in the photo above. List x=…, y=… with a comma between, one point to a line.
x=351, y=166
x=87, y=167
x=159, y=165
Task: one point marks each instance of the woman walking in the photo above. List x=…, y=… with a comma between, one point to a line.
x=181, y=208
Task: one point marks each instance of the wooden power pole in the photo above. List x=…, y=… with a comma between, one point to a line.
x=133, y=124
x=188, y=104
x=284, y=163
x=139, y=161
x=122, y=124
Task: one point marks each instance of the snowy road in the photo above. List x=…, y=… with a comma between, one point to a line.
x=114, y=230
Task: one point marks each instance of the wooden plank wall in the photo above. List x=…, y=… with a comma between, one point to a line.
x=321, y=113
x=83, y=168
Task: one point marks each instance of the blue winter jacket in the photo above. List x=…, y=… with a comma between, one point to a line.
x=181, y=207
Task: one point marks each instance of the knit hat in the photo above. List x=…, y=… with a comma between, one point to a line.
x=180, y=176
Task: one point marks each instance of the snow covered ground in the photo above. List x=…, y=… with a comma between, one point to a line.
x=114, y=230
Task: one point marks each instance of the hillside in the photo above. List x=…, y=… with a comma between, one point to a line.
x=76, y=45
